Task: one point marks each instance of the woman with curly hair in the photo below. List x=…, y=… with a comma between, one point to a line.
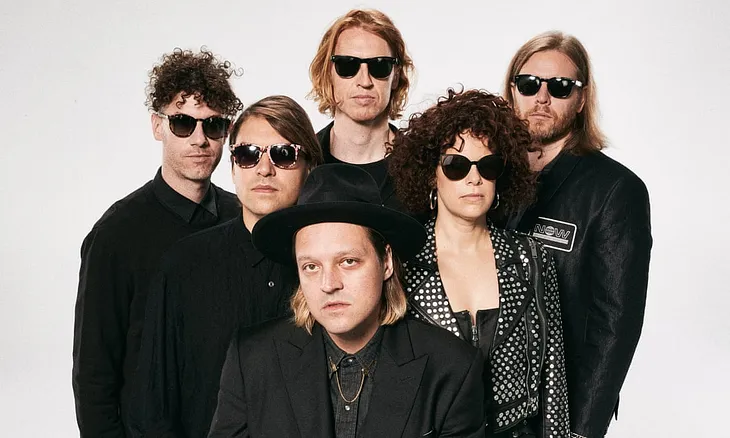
x=494, y=288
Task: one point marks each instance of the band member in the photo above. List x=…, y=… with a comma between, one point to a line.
x=192, y=104
x=347, y=364
x=360, y=77
x=593, y=213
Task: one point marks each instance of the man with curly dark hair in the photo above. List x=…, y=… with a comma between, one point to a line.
x=191, y=101
x=360, y=77
x=593, y=213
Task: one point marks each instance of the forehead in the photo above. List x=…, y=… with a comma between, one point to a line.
x=258, y=131
x=356, y=41
x=192, y=105
x=331, y=238
x=466, y=144
x=548, y=64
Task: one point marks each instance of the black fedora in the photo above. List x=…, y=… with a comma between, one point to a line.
x=337, y=193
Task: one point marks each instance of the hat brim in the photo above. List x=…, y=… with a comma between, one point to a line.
x=273, y=234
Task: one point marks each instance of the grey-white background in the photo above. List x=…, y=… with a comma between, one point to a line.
x=76, y=137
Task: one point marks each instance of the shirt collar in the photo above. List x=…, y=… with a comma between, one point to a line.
x=365, y=357
x=179, y=204
x=243, y=236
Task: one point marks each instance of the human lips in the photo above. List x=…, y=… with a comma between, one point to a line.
x=264, y=188
x=472, y=196
x=364, y=98
x=334, y=306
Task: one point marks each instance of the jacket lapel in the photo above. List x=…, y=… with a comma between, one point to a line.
x=303, y=366
x=396, y=382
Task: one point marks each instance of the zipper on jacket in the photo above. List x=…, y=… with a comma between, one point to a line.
x=474, y=333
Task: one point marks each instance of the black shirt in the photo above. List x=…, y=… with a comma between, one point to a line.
x=351, y=378
x=209, y=284
x=118, y=258
x=378, y=169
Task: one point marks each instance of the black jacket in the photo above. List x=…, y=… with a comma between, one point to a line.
x=525, y=372
x=378, y=170
x=594, y=213
x=275, y=384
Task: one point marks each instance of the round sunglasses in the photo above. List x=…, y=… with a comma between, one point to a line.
x=457, y=167
x=560, y=88
x=380, y=67
x=183, y=125
x=283, y=156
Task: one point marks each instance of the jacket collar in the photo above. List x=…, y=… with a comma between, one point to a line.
x=396, y=381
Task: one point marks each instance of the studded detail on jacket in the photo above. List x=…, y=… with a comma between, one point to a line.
x=526, y=360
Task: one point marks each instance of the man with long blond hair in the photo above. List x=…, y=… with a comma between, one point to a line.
x=593, y=213
x=360, y=78
x=348, y=363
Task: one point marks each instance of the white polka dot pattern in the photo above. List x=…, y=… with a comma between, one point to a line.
x=526, y=362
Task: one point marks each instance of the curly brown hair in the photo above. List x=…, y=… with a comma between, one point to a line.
x=200, y=75
x=416, y=150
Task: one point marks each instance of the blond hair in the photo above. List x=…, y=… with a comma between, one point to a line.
x=377, y=23
x=586, y=135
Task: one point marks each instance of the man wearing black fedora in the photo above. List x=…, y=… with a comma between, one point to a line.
x=347, y=364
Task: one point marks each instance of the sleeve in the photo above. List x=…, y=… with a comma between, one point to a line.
x=231, y=419
x=100, y=332
x=466, y=417
x=155, y=402
x=618, y=256
x=554, y=388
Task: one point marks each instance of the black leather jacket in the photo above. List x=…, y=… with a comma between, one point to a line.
x=594, y=214
x=525, y=375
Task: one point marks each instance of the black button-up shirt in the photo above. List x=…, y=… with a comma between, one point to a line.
x=350, y=374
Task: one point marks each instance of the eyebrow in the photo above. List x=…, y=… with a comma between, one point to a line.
x=353, y=251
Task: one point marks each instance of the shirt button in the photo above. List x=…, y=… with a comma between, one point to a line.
x=347, y=407
x=349, y=361
x=271, y=284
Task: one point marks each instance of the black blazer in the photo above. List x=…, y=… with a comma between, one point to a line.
x=594, y=213
x=274, y=384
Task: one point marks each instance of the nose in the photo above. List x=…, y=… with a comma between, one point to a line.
x=198, y=138
x=331, y=280
x=543, y=96
x=363, y=76
x=474, y=177
x=265, y=167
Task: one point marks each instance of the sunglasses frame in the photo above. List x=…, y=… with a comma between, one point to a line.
x=171, y=117
x=549, y=82
x=266, y=150
x=472, y=163
x=360, y=61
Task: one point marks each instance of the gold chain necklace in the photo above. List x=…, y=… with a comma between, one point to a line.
x=365, y=371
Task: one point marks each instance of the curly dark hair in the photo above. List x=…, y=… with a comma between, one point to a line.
x=200, y=75
x=416, y=150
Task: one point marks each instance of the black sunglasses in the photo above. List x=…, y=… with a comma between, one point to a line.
x=560, y=88
x=379, y=68
x=247, y=155
x=183, y=125
x=457, y=167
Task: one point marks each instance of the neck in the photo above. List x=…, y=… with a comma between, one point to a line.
x=545, y=153
x=460, y=234
x=359, y=142
x=193, y=190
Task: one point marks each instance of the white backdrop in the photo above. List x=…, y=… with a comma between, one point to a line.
x=76, y=137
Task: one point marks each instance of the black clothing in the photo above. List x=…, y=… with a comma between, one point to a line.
x=486, y=325
x=209, y=284
x=118, y=259
x=378, y=169
x=594, y=213
x=525, y=372
x=350, y=377
x=274, y=384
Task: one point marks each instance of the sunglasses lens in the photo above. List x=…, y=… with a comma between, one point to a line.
x=527, y=85
x=346, y=66
x=490, y=167
x=455, y=167
x=283, y=155
x=380, y=68
x=182, y=125
x=559, y=87
x=215, y=127
x=247, y=155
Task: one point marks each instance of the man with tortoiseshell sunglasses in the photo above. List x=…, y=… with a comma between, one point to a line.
x=192, y=103
x=593, y=213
